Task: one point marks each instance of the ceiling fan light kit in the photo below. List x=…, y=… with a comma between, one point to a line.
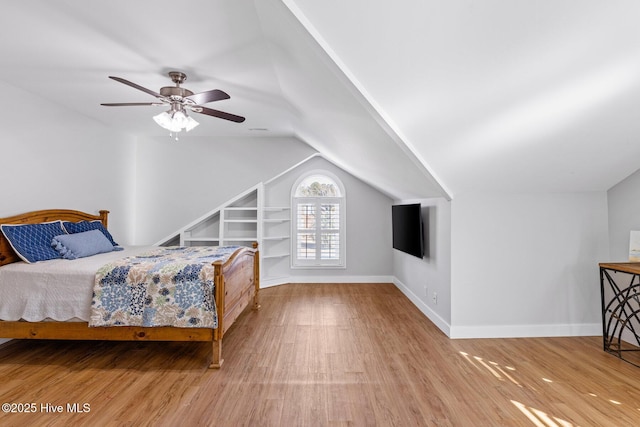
x=175, y=122
x=175, y=119
x=180, y=100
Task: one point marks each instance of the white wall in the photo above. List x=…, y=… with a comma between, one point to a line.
x=421, y=279
x=178, y=182
x=368, y=230
x=55, y=158
x=624, y=216
x=527, y=264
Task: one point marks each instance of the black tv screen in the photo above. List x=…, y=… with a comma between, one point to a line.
x=407, y=229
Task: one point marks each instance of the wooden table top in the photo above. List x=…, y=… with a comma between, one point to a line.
x=627, y=267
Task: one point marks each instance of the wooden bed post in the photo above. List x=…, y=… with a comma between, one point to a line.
x=104, y=215
x=256, y=276
x=216, y=361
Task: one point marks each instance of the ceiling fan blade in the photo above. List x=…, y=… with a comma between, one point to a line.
x=130, y=104
x=208, y=96
x=144, y=89
x=219, y=114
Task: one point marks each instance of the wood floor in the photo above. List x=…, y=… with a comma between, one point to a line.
x=318, y=355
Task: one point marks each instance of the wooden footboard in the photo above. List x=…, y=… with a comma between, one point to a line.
x=237, y=284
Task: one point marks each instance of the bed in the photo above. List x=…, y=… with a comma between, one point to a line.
x=235, y=279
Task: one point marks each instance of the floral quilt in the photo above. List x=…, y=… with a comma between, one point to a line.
x=167, y=286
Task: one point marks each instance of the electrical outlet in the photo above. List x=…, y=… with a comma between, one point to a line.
x=435, y=298
x=426, y=291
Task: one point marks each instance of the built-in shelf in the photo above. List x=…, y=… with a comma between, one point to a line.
x=276, y=234
x=275, y=237
x=234, y=223
x=243, y=221
x=274, y=256
x=201, y=239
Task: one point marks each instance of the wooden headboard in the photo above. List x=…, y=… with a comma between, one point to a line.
x=7, y=255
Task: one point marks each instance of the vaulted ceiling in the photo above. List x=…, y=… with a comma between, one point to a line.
x=420, y=98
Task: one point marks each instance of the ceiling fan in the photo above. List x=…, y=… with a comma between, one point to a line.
x=180, y=100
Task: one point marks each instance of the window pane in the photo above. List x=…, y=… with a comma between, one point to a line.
x=330, y=216
x=330, y=248
x=317, y=186
x=306, y=219
x=306, y=246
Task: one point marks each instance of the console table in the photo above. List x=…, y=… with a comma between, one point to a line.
x=620, y=296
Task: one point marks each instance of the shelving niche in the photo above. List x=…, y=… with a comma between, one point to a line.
x=276, y=231
x=235, y=223
x=276, y=243
x=242, y=221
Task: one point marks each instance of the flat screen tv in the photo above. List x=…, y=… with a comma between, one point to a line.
x=407, y=229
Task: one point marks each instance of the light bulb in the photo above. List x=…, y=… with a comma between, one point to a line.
x=175, y=121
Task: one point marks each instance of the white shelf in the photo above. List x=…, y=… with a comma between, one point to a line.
x=283, y=255
x=239, y=208
x=276, y=209
x=201, y=239
x=276, y=217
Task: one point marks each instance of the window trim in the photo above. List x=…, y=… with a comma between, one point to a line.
x=341, y=200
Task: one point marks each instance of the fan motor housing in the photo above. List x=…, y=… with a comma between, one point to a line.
x=170, y=91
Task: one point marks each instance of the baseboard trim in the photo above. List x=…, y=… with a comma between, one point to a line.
x=424, y=308
x=527, y=331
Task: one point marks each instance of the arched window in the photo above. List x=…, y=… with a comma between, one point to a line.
x=318, y=221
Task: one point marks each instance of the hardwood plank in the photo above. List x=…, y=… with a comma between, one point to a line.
x=325, y=354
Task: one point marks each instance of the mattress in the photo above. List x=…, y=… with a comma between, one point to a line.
x=57, y=289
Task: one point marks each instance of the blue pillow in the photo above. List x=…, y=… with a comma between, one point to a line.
x=82, y=226
x=80, y=245
x=32, y=242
